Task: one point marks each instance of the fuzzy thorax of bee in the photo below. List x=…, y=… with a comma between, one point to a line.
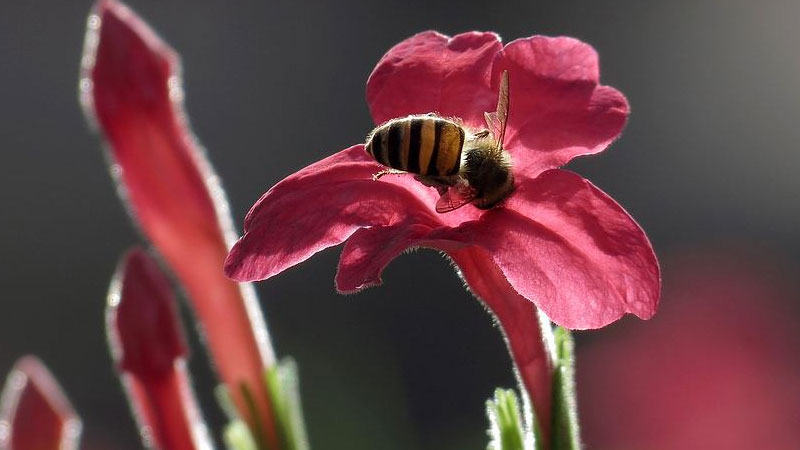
x=487, y=168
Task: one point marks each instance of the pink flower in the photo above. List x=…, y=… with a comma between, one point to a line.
x=556, y=242
x=148, y=345
x=719, y=367
x=131, y=88
x=34, y=412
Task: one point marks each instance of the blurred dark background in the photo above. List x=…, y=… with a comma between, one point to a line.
x=709, y=159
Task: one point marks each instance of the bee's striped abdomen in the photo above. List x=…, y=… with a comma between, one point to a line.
x=425, y=145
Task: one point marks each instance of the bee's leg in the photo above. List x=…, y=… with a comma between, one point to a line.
x=428, y=180
x=481, y=134
x=440, y=183
x=376, y=176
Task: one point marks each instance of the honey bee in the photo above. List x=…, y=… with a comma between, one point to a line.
x=465, y=165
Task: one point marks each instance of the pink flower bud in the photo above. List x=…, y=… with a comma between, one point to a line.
x=34, y=412
x=131, y=88
x=147, y=343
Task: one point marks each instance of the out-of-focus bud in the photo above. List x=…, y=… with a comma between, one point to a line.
x=147, y=343
x=34, y=412
x=131, y=89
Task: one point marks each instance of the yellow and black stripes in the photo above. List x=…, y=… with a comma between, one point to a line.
x=425, y=145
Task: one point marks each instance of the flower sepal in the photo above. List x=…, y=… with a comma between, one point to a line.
x=237, y=436
x=565, y=432
x=281, y=382
x=508, y=430
x=506, y=427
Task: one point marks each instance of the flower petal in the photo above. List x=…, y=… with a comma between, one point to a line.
x=369, y=250
x=557, y=108
x=319, y=207
x=131, y=88
x=572, y=250
x=34, y=412
x=430, y=72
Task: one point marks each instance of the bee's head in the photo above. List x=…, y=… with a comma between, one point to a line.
x=489, y=173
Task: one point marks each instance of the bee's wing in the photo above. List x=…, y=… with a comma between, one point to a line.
x=497, y=120
x=455, y=197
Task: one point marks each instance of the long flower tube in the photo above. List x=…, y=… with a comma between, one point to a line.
x=148, y=345
x=34, y=412
x=131, y=89
x=530, y=345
